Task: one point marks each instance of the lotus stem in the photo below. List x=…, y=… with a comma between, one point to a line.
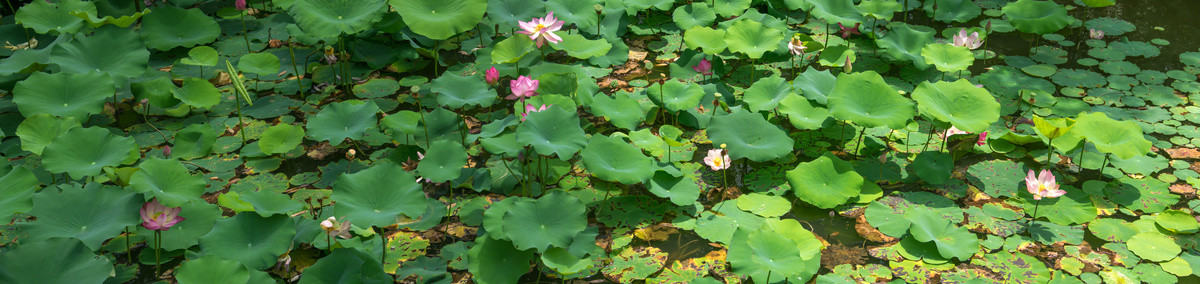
x=929, y=137
x=1035, y=210
x=436, y=45
x=157, y=252
x=128, y=248
x=1104, y=164
x=1079, y=161
x=1049, y=151
x=858, y=146
x=245, y=34
x=382, y=246
x=425, y=125
x=299, y=87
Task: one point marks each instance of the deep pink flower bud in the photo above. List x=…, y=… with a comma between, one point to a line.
x=491, y=76
x=704, y=67
x=240, y=4
x=522, y=88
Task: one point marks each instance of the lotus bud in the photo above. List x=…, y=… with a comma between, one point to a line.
x=492, y=76
x=167, y=151
x=848, y=66
x=599, y=8
x=988, y=28
x=240, y=5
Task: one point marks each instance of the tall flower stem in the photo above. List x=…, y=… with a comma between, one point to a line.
x=382, y=245
x=858, y=146
x=157, y=251
x=1049, y=151
x=1035, y=210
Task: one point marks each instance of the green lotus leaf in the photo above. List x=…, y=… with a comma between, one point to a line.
x=1154, y=246
x=116, y=52
x=968, y=108
x=121, y=17
x=378, y=195
x=198, y=93
x=497, y=261
x=769, y=206
x=580, y=47
x=752, y=38
x=620, y=110
x=706, y=39
x=1177, y=221
x=194, y=141
x=680, y=190
x=1099, y=3
x=280, y=138
x=766, y=93
x=948, y=57
x=459, y=91
x=250, y=239
x=952, y=10
x=825, y=182
x=440, y=19
x=866, y=100
x=328, y=19
x=214, y=269
x=63, y=94
x=815, y=85
x=92, y=215
x=836, y=56
x=200, y=56
x=676, y=96
x=511, y=49
x=906, y=42
x=933, y=167
x=168, y=181
x=201, y=216
x=880, y=9
x=341, y=120
x=1124, y=139
x=748, y=135
x=582, y=13
x=170, y=27
x=780, y=249
x=836, y=11
x=54, y=261
x=83, y=152
x=377, y=88
x=39, y=130
x=613, y=159
x=887, y=214
x=508, y=12
x=550, y=221
x=346, y=266
x=1147, y=195
x=17, y=186
x=693, y=15
x=952, y=241
x=1111, y=230
x=1037, y=16
x=802, y=114
x=261, y=64
x=44, y=16
x=444, y=161
x=552, y=131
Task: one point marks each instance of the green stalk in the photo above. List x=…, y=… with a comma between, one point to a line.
x=241, y=89
x=1035, y=209
x=858, y=146
x=1049, y=151
x=157, y=252
x=300, y=87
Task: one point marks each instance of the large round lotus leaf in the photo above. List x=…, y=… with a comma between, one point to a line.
x=952, y=240
x=497, y=261
x=952, y=10
x=1124, y=139
x=44, y=16
x=17, y=186
x=378, y=195
x=1034, y=16
x=1177, y=221
x=836, y=56
x=780, y=250
x=681, y=190
x=440, y=19
x=346, y=266
x=825, y=182
x=676, y=96
x=91, y=214
x=214, y=269
x=836, y=11
x=693, y=15
x=157, y=90
x=748, y=135
x=888, y=213
x=866, y=100
x=1147, y=195
x=581, y=13
x=815, y=85
x=706, y=39
x=620, y=110
x=906, y=42
x=880, y=9
x=167, y=180
x=83, y=152
x=764, y=205
x=328, y=19
x=613, y=159
x=198, y=93
x=551, y=221
x=253, y=240
x=802, y=114
x=262, y=64
x=1154, y=246
x=933, y=167
x=458, y=91
x=170, y=27
x=281, y=138
x=552, y=131
x=766, y=93
x=341, y=120
x=444, y=161
x=948, y=57
x=968, y=108
x=63, y=94
x=752, y=38
x=512, y=49
x=39, y=130
x=117, y=52
x=194, y=141
x=54, y=261
x=508, y=12
x=580, y=47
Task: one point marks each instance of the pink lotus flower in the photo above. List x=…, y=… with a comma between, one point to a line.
x=529, y=109
x=522, y=88
x=1043, y=185
x=240, y=4
x=1095, y=34
x=542, y=29
x=847, y=32
x=796, y=46
x=982, y=139
x=157, y=217
x=716, y=160
x=953, y=131
x=335, y=228
x=167, y=151
x=704, y=67
x=491, y=76
x=970, y=41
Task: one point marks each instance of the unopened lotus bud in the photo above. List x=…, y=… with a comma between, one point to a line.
x=167, y=151
x=599, y=8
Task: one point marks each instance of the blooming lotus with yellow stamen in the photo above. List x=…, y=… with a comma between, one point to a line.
x=796, y=46
x=1043, y=185
x=717, y=160
x=157, y=217
x=542, y=29
x=1095, y=34
x=969, y=41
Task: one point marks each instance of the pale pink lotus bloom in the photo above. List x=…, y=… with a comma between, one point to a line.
x=970, y=41
x=953, y=131
x=522, y=88
x=335, y=228
x=704, y=67
x=240, y=4
x=157, y=217
x=796, y=46
x=716, y=160
x=491, y=76
x=1043, y=185
x=542, y=29
x=1095, y=34
x=530, y=108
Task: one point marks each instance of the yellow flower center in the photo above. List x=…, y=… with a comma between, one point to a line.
x=720, y=163
x=1041, y=189
x=155, y=216
x=539, y=28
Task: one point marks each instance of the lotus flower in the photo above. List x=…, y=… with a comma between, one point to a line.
x=167, y=151
x=953, y=131
x=1095, y=34
x=522, y=88
x=970, y=41
x=542, y=29
x=796, y=46
x=716, y=160
x=492, y=76
x=157, y=217
x=529, y=109
x=704, y=67
x=240, y=4
x=336, y=228
x=982, y=139
x=1043, y=185
x=847, y=32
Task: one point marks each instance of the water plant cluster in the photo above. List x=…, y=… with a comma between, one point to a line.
x=656, y=141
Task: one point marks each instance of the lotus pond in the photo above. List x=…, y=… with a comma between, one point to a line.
x=599, y=141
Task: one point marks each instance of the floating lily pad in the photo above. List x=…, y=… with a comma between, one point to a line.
x=613, y=159
x=328, y=19
x=748, y=135
x=868, y=101
x=825, y=182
